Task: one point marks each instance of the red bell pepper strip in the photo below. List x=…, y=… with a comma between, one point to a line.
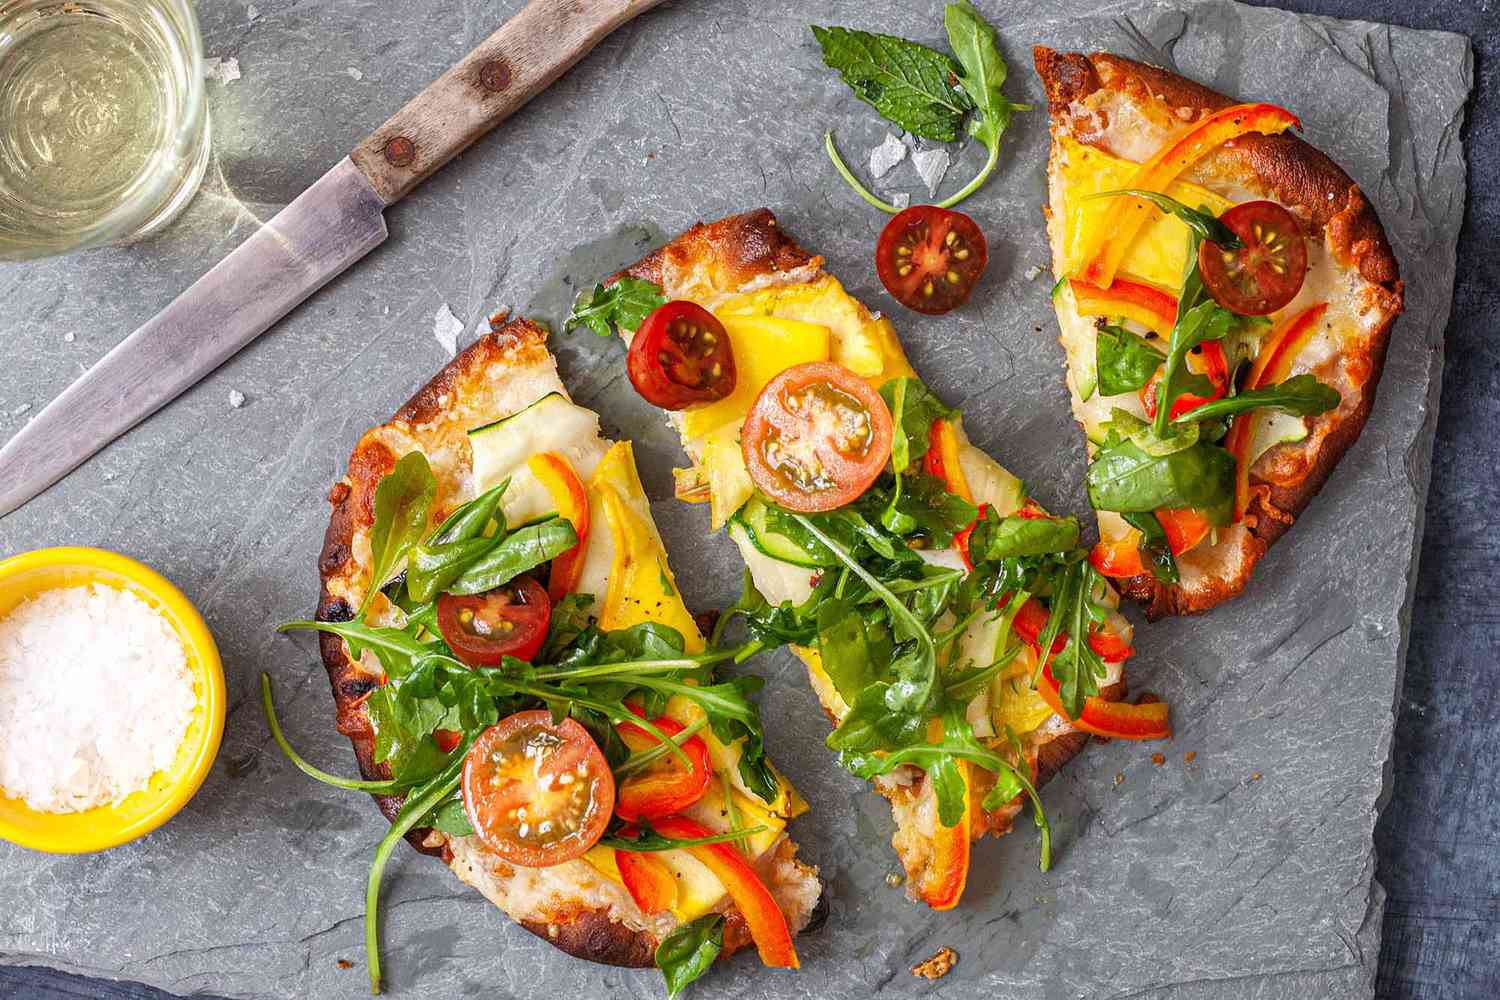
x=647, y=878
x=666, y=787
x=941, y=461
x=1114, y=719
x=1110, y=240
x=556, y=473
x=1031, y=621
x=1145, y=304
x=1120, y=558
x=1214, y=366
x=1270, y=366
x=767, y=924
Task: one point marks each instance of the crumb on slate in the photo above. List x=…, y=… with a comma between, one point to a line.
x=1190, y=756
x=1158, y=758
x=344, y=963
x=938, y=965
x=236, y=398
x=221, y=70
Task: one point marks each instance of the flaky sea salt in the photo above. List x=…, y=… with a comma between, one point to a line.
x=222, y=70
x=931, y=164
x=354, y=73
x=446, y=327
x=885, y=156
x=95, y=697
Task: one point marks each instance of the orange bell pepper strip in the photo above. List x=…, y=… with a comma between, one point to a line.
x=1184, y=526
x=1108, y=243
x=1119, y=558
x=556, y=473
x=647, y=878
x=1270, y=366
x=767, y=924
x=666, y=787
x=942, y=884
x=1113, y=719
x=942, y=461
x=1145, y=304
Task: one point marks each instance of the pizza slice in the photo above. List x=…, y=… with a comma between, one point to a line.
x=916, y=578
x=527, y=695
x=1244, y=281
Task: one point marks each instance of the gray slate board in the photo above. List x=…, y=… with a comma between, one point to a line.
x=1183, y=881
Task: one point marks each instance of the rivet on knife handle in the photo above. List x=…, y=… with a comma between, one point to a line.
x=507, y=69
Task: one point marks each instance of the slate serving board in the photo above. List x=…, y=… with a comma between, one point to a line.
x=1245, y=873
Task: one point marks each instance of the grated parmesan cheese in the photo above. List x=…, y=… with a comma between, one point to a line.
x=95, y=697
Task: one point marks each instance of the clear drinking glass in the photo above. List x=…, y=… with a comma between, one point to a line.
x=103, y=133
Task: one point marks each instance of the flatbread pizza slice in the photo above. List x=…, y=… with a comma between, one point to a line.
x=526, y=693
x=914, y=575
x=1268, y=351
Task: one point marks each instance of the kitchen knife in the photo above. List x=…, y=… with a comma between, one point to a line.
x=314, y=239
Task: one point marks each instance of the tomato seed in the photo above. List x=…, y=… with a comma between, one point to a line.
x=951, y=239
x=952, y=277
x=961, y=254
x=904, y=270
x=927, y=289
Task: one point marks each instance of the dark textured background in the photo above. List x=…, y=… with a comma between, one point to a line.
x=1439, y=837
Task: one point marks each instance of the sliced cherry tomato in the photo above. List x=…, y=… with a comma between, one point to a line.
x=817, y=436
x=665, y=786
x=1266, y=272
x=556, y=473
x=930, y=258
x=647, y=878
x=681, y=357
x=537, y=794
x=767, y=924
x=510, y=620
x=1115, y=719
x=1211, y=360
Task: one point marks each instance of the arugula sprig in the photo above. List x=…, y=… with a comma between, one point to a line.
x=624, y=304
x=926, y=92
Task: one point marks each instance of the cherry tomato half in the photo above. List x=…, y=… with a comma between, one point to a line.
x=681, y=357
x=510, y=620
x=1266, y=272
x=930, y=258
x=816, y=438
x=537, y=794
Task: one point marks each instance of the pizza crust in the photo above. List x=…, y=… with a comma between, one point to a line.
x=502, y=372
x=713, y=261
x=1110, y=102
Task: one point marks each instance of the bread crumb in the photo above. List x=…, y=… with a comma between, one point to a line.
x=1190, y=756
x=1158, y=758
x=252, y=12
x=1032, y=273
x=354, y=73
x=893, y=879
x=938, y=965
x=236, y=398
x=344, y=963
x=1255, y=776
x=69, y=337
x=1119, y=778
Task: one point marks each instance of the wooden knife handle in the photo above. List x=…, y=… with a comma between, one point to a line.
x=508, y=69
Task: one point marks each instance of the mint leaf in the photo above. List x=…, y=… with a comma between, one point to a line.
x=909, y=84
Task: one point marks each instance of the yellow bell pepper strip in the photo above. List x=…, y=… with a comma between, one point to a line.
x=1108, y=243
x=1116, y=720
x=767, y=924
x=942, y=884
x=1270, y=366
x=647, y=878
x=1145, y=304
x=556, y=473
x=941, y=459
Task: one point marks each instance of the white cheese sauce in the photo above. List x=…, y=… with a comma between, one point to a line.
x=95, y=697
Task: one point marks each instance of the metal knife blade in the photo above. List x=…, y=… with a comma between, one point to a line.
x=326, y=229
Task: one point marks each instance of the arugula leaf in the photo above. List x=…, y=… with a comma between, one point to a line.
x=624, y=304
x=348, y=784
x=649, y=841
x=394, y=648
x=1205, y=225
x=1302, y=395
x=689, y=951
x=523, y=549
x=471, y=519
x=403, y=499
x=913, y=409
x=452, y=818
x=1155, y=548
x=570, y=616
x=849, y=647
x=1125, y=478
x=431, y=568
x=1003, y=538
x=984, y=71
x=1077, y=668
x=1125, y=362
x=910, y=85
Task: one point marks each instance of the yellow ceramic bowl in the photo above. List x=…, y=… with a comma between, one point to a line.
x=108, y=826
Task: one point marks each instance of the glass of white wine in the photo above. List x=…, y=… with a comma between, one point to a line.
x=103, y=132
